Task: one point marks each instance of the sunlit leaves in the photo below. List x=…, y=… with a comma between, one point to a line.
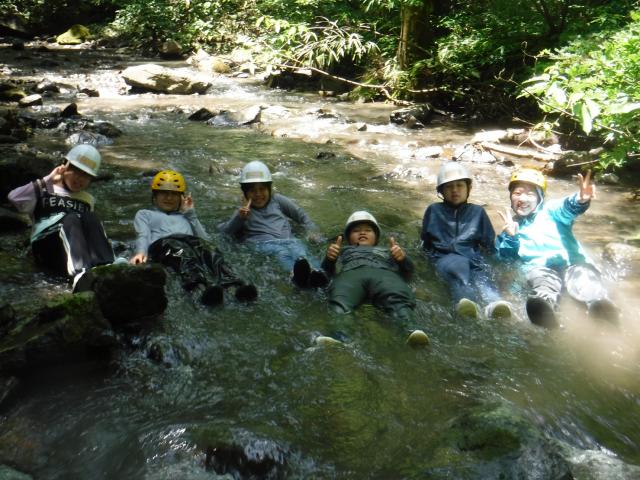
x=595, y=81
x=321, y=45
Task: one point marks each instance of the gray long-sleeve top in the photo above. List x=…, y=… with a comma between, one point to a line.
x=271, y=222
x=152, y=225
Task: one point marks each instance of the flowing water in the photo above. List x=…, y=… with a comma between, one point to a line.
x=372, y=408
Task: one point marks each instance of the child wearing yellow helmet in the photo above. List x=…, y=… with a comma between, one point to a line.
x=539, y=233
x=172, y=234
x=67, y=236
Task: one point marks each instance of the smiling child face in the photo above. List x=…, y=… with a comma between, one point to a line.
x=259, y=194
x=362, y=234
x=167, y=201
x=524, y=199
x=75, y=179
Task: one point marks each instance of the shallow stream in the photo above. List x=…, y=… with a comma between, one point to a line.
x=372, y=408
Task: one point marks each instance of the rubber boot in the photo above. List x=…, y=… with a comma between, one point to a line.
x=301, y=272
x=541, y=313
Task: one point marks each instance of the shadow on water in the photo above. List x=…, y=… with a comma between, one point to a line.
x=370, y=408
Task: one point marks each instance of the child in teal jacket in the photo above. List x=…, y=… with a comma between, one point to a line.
x=540, y=235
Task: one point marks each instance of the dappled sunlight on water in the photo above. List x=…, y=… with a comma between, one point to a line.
x=371, y=406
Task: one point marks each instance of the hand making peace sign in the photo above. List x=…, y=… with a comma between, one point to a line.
x=587, y=189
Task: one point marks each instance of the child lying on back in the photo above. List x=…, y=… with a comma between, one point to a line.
x=171, y=234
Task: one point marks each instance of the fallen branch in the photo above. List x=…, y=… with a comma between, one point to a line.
x=519, y=152
x=381, y=88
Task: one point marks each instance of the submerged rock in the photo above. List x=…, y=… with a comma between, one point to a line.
x=130, y=296
x=413, y=117
x=8, y=386
x=496, y=441
x=7, y=473
x=66, y=328
x=247, y=457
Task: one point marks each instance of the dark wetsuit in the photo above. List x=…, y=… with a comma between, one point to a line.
x=370, y=274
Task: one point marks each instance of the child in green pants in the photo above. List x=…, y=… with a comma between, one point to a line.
x=370, y=273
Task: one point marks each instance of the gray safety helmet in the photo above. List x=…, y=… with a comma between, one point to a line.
x=85, y=158
x=361, y=217
x=450, y=172
x=255, y=172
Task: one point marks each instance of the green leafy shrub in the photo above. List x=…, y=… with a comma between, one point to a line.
x=595, y=82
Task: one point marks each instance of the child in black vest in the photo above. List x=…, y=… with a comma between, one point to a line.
x=67, y=237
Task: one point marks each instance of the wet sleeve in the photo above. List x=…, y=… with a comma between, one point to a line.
x=507, y=246
x=406, y=268
x=143, y=231
x=23, y=198
x=296, y=213
x=568, y=209
x=487, y=234
x=328, y=266
x=197, y=227
x=424, y=234
x=233, y=226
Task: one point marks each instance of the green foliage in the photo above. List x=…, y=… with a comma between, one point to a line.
x=594, y=81
x=321, y=45
x=55, y=16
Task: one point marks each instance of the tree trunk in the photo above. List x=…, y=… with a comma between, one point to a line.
x=416, y=31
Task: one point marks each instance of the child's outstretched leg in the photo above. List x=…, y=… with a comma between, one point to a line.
x=495, y=307
x=546, y=286
x=389, y=292
x=78, y=244
x=221, y=273
x=347, y=291
x=456, y=271
x=584, y=284
x=294, y=257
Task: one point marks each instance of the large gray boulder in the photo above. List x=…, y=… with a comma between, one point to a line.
x=164, y=80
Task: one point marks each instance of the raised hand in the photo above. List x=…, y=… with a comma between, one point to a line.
x=187, y=203
x=333, y=250
x=397, y=253
x=587, y=189
x=56, y=173
x=138, y=258
x=510, y=225
x=245, y=209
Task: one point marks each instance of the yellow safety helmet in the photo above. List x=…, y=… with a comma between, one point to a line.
x=168, y=180
x=529, y=175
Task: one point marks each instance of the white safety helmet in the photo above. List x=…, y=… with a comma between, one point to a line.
x=255, y=172
x=359, y=217
x=450, y=172
x=85, y=158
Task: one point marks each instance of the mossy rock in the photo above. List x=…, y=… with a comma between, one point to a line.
x=12, y=94
x=67, y=327
x=74, y=36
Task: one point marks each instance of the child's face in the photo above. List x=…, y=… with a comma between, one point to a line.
x=456, y=192
x=524, y=199
x=75, y=179
x=259, y=194
x=362, y=234
x=167, y=201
